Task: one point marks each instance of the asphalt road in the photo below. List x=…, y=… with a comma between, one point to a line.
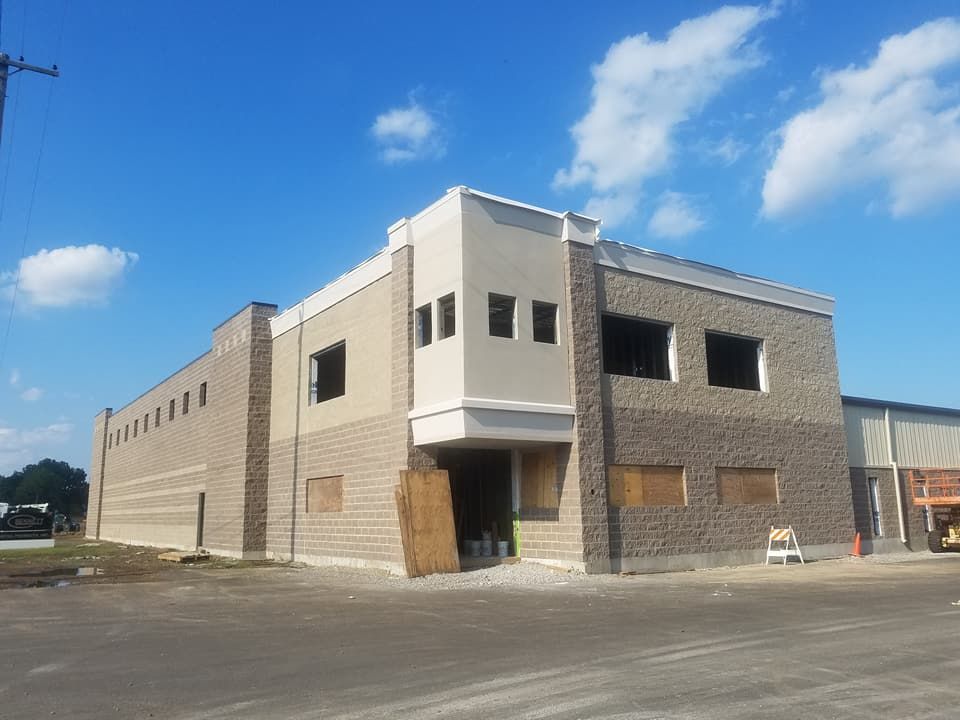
x=838, y=639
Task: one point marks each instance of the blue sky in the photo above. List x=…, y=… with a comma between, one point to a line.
x=201, y=155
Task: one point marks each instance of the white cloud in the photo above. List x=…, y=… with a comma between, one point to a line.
x=887, y=122
x=19, y=447
x=69, y=275
x=675, y=217
x=407, y=133
x=643, y=90
x=31, y=394
x=727, y=151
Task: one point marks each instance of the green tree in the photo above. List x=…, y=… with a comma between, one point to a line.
x=48, y=481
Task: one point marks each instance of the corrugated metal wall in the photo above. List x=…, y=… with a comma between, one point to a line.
x=866, y=438
x=920, y=439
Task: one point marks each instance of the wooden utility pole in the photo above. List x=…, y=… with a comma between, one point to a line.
x=6, y=62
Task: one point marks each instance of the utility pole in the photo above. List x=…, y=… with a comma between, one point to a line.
x=6, y=62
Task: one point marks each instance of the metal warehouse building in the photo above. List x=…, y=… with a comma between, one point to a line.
x=885, y=440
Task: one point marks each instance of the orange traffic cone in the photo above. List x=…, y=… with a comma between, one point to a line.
x=856, y=546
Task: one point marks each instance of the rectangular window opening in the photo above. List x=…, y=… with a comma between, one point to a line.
x=156, y=420
x=126, y=433
x=118, y=436
x=747, y=486
x=544, y=322
x=328, y=370
x=173, y=409
x=446, y=317
x=186, y=403
x=636, y=348
x=110, y=441
x=735, y=362
x=203, y=394
x=325, y=494
x=424, y=326
x=539, y=486
x=646, y=485
x=136, y=426
x=502, y=313
x=146, y=422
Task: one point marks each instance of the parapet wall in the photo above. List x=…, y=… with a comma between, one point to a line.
x=203, y=430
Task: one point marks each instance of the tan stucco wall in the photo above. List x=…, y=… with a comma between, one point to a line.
x=363, y=321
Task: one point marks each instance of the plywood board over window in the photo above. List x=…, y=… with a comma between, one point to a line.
x=325, y=494
x=538, y=480
x=747, y=486
x=646, y=485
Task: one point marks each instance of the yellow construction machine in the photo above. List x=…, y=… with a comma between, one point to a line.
x=939, y=491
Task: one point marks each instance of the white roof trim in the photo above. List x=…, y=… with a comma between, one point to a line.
x=489, y=404
x=364, y=274
x=688, y=272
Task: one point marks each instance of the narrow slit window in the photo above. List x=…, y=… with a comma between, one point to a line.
x=126, y=433
x=156, y=420
x=203, y=394
x=173, y=409
x=424, y=326
x=874, y=490
x=502, y=311
x=446, y=317
x=118, y=436
x=328, y=369
x=544, y=322
x=636, y=348
x=136, y=426
x=110, y=441
x=735, y=362
x=146, y=422
x=186, y=403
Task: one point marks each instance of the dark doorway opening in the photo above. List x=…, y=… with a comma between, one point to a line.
x=481, y=488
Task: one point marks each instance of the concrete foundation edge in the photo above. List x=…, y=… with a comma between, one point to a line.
x=700, y=561
x=335, y=561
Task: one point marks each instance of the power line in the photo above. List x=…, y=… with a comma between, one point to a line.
x=5, y=64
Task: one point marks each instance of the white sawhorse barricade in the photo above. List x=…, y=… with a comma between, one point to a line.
x=783, y=537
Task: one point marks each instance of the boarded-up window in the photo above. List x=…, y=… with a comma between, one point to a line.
x=747, y=486
x=325, y=494
x=538, y=480
x=646, y=485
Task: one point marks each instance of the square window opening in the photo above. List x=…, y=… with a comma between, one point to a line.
x=328, y=370
x=446, y=317
x=502, y=313
x=637, y=348
x=544, y=322
x=424, y=326
x=735, y=362
x=325, y=494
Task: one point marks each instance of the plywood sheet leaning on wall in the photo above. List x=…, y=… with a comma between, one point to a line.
x=425, y=509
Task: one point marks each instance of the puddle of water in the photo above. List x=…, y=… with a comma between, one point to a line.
x=55, y=577
x=62, y=572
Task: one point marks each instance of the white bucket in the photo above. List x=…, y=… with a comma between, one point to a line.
x=473, y=546
x=486, y=548
x=503, y=548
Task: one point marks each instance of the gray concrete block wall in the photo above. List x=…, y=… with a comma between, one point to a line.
x=795, y=428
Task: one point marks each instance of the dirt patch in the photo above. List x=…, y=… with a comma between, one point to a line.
x=75, y=560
